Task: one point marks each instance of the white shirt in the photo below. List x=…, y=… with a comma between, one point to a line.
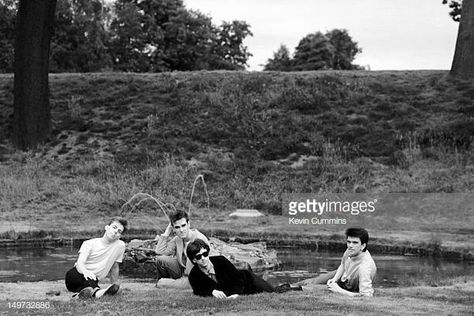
x=101, y=256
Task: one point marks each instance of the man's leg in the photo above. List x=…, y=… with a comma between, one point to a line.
x=75, y=281
x=320, y=279
x=259, y=284
x=168, y=267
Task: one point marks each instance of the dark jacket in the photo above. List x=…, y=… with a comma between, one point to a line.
x=229, y=279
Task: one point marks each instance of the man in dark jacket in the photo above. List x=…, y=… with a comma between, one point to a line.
x=218, y=277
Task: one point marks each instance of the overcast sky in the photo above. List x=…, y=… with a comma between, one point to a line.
x=393, y=34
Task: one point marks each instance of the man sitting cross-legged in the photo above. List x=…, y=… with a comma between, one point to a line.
x=98, y=258
x=216, y=276
x=172, y=262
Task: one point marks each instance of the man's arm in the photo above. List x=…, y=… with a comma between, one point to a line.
x=337, y=276
x=365, y=281
x=335, y=288
x=235, y=277
x=81, y=261
x=114, y=273
x=165, y=247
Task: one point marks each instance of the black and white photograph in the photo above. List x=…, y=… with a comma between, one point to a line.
x=224, y=157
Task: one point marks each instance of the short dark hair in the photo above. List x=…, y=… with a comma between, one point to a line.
x=360, y=233
x=177, y=215
x=194, y=247
x=120, y=220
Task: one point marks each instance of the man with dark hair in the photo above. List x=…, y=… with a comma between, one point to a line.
x=357, y=269
x=172, y=262
x=98, y=258
x=216, y=276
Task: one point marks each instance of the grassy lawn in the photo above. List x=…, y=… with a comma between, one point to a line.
x=145, y=299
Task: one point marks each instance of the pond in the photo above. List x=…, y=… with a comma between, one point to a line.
x=297, y=264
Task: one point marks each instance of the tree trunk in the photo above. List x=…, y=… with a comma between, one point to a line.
x=463, y=62
x=32, y=113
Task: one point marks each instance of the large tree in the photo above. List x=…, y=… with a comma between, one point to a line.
x=463, y=61
x=32, y=114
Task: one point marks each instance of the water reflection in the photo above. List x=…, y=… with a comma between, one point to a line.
x=391, y=270
x=52, y=264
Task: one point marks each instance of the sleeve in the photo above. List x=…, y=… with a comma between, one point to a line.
x=365, y=281
x=235, y=278
x=201, y=285
x=86, y=248
x=162, y=244
x=170, y=249
x=120, y=252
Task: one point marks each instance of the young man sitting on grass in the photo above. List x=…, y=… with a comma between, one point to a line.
x=172, y=264
x=216, y=276
x=98, y=258
x=357, y=270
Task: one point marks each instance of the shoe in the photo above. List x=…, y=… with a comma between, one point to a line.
x=86, y=293
x=282, y=288
x=110, y=290
x=296, y=288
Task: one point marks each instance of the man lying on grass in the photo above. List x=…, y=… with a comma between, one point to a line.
x=357, y=269
x=216, y=276
x=98, y=258
x=172, y=262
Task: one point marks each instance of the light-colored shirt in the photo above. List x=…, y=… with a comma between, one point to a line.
x=210, y=272
x=359, y=272
x=101, y=256
x=177, y=247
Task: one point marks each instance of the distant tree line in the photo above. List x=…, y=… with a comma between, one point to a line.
x=132, y=35
x=317, y=51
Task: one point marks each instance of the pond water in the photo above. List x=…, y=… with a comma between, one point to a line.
x=52, y=264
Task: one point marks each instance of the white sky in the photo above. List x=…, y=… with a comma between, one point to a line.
x=393, y=34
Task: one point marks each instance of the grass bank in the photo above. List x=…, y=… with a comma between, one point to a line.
x=254, y=136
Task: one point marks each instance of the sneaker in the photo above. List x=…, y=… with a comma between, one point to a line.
x=85, y=293
x=110, y=290
x=282, y=288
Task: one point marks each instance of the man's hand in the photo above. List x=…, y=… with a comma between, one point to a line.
x=168, y=230
x=218, y=294
x=233, y=296
x=330, y=281
x=334, y=287
x=89, y=275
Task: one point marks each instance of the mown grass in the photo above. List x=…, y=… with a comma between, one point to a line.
x=144, y=299
x=253, y=136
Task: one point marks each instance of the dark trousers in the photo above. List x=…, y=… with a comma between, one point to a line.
x=76, y=281
x=255, y=284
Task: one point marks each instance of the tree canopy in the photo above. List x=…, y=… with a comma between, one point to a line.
x=317, y=51
x=132, y=35
x=455, y=6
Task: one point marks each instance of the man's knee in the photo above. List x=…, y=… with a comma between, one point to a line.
x=165, y=261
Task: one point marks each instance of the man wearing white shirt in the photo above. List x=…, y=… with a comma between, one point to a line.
x=98, y=259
